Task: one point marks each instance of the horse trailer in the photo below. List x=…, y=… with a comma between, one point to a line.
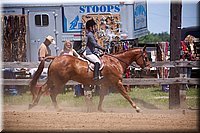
x=65, y=22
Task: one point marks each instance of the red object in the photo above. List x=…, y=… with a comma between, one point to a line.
x=128, y=73
x=183, y=46
x=166, y=48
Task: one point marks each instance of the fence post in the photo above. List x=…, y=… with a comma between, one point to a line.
x=175, y=38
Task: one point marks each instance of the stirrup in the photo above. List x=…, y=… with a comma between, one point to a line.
x=98, y=78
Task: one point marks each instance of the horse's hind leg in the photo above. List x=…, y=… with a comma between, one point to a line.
x=102, y=92
x=42, y=90
x=88, y=97
x=122, y=90
x=34, y=93
x=101, y=98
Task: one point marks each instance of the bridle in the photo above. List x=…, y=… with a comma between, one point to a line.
x=145, y=66
x=144, y=59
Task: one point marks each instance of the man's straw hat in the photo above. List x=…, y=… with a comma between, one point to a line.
x=51, y=39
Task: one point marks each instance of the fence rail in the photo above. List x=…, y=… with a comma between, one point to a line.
x=126, y=81
x=153, y=64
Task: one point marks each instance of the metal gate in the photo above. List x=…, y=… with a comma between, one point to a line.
x=41, y=24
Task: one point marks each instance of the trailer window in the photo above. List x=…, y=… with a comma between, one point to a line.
x=45, y=20
x=37, y=20
x=42, y=20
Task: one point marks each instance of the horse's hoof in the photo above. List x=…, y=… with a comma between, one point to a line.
x=101, y=110
x=89, y=111
x=30, y=106
x=138, y=110
x=58, y=110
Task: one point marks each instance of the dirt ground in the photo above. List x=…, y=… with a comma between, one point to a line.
x=70, y=119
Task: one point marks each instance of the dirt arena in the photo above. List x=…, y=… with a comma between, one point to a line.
x=70, y=119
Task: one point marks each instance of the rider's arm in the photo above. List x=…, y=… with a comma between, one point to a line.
x=94, y=42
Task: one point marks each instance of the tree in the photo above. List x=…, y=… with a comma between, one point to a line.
x=155, y=37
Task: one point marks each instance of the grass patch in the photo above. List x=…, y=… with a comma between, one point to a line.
x=25, y=98
x=193, y=97
x=150, y=97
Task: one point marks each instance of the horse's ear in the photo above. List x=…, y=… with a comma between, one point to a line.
x=144, y=48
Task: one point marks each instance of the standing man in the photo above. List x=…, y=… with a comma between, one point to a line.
x=44, y=49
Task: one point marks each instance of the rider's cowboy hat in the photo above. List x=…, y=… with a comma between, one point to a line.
x=90, y=23
x=51, y=39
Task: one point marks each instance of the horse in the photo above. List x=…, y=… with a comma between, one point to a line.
x=65, y=68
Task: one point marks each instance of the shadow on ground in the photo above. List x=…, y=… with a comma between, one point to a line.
x=144, y=104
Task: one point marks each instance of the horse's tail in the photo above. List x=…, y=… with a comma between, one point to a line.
x=37, y=74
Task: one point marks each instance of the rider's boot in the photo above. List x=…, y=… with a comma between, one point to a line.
x=97, y=72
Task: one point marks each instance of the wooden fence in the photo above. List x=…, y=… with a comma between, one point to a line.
x=153, y=64
x=126, y=81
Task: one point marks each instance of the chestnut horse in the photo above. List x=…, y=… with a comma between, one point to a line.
x=65, y=68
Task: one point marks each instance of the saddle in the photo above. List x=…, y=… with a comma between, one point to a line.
x=90, y=64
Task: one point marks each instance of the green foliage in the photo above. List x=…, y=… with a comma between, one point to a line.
x=155, y=37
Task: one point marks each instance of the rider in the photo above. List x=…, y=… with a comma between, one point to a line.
x=90, y=50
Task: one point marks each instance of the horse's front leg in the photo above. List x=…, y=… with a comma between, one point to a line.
x=122, y=90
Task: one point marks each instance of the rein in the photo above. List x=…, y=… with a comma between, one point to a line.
x=118, y=59
x=130, y=64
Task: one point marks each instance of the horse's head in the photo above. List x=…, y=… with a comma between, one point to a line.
x=142, y=60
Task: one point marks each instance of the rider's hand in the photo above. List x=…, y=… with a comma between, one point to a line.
x=103, y=49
